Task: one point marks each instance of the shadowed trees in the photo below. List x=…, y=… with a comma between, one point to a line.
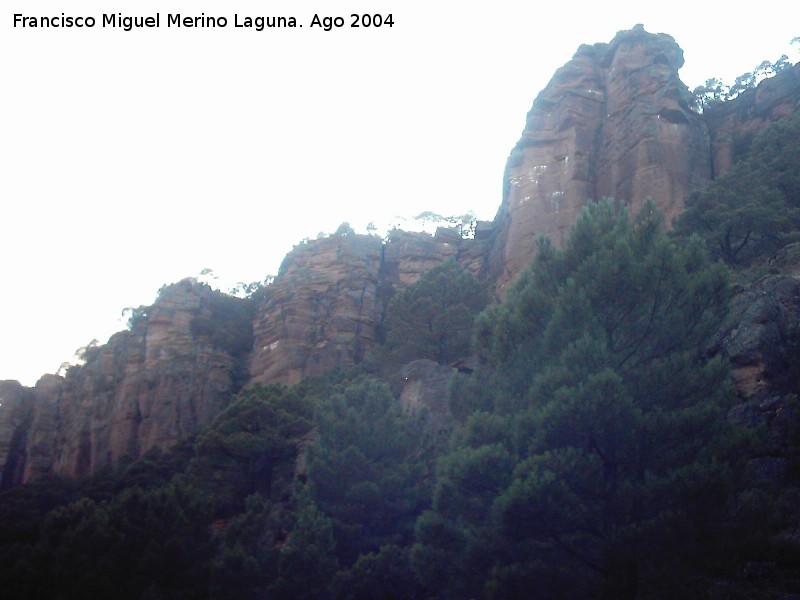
x=583, y=451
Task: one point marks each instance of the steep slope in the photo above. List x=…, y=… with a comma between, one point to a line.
x=324, y=308
x=733, y=125
x=16, y=414
x=616, y=122
x=148, y=387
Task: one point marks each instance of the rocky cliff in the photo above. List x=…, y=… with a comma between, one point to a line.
x=16, y=415
x=616, y=121
x=321, y=311
x=733, y=125
x=178, y=366
x=324, y=308
x=147, y=387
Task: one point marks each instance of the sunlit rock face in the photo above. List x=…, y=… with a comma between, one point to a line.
x=321, y=310
x=615, y=121
x=146, y=388
x=324, y=308
x=734, y=124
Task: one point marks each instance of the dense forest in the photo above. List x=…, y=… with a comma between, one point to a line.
x=590, y=452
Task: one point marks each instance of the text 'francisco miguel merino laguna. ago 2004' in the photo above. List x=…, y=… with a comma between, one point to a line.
x=177, y=20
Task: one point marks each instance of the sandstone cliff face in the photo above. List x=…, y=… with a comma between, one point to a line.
x=148, y=387
x=166, y=378
x=734, y=124
x=321, y=310
x=16, y=414
x=613, y=122
x=325, y=306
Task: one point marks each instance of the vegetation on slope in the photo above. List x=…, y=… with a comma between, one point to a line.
x=587, y=458
x=592, y=454
x=753, y=209
x=433, y=317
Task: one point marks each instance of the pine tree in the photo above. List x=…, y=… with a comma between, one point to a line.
x=307, y=561
x=252, y=445
x=367, y=467
x=753, y=209
x=433, y=318
x=585, y=455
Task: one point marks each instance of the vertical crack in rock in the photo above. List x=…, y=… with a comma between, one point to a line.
x=613, y=122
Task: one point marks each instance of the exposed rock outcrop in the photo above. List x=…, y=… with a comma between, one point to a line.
x=761, y=340
x=616, y=122
x=147, y=387
x=325, y=306
x=425, y=388
x=757, y=336
x=321, y=311
x=16, y=414
x=762, y=343
x=733, y=124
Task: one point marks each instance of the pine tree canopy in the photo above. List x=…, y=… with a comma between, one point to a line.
x=595, y=399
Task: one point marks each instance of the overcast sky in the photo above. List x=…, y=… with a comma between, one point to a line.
x=133, y=159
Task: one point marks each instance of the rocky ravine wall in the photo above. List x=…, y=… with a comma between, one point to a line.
x=162, y=381
x=614, y=121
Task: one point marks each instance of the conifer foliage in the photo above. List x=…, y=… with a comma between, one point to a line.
x=367, y=468
x=433, y=318
x=584, y=446
x=588, y=458
x=753, y=209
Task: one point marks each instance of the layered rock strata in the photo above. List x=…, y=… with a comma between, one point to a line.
x=616, y=121
x=321, y=310
x=324, y=308
x=146, y=388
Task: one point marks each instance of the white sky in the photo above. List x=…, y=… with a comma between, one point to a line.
x=131, y=160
